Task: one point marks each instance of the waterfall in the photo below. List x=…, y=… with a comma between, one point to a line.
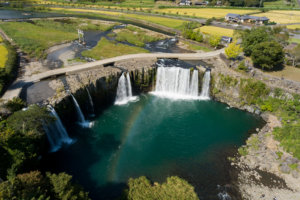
x=205, y=86
x=56, y=132
x=91, y=102
x=124, y=90
x=80, y=115
x=176, y=82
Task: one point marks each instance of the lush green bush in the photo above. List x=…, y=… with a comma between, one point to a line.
x=22, y=139
x=15, y=104
x=175, y=188
x=268, y=55
x=251, y=91
x=34, y=185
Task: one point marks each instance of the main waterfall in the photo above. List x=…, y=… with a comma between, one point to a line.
x=176, y=82
x=56, y=132
x=124, y=90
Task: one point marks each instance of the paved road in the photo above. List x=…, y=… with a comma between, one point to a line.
x=15, y=89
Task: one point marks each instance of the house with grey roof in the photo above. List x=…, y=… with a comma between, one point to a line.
x=245, y=18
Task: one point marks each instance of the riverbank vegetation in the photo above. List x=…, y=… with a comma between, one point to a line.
x=136, y=36
x=8, y=64
x=174, y=188
x=35, y=37
x=108, y=49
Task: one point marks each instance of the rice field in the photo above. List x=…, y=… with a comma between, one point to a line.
x=168, y=22
x=296, y=26
x=281, y=4
x=213, y=30
x=204, y=12
x=282, y=16
x=3, y=55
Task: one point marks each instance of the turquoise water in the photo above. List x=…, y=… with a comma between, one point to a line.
x=157, y=138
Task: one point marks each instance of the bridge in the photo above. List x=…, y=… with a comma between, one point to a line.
x=15, y=89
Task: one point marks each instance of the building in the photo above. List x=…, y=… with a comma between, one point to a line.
x=185, y=3
x=201, y=3
x=226, y=40
x=245, y=18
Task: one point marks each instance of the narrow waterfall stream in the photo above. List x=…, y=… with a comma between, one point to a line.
x=91, y=102
x=82, y=121
x=205, y=86
x=124, y=90
x=56, y=133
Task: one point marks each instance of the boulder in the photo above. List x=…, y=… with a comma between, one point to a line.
x=284, y=168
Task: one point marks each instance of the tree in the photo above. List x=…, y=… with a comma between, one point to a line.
x=233, y=50
x=214, y=41
x=15, y=104
x=268, y=55
x=34, y=185
x=294, y=54
x=22, y=138
x=253, y=37
x=175, y=188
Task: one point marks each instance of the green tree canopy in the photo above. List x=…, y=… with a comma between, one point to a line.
x=174, y=188
x=34, y=185
x=268, y=55
x=233, y=50
x=253, y=37
x=214, y=40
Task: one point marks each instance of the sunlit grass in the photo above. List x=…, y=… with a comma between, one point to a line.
x=213, y=30
x=204, y=12
x=282, y=16
x=295, y=26
x=3, y=55
x=109, y=49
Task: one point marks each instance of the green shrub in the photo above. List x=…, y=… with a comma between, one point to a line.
x=15, y=104
x=243, y=151
x=174, y=188
x=252, y=90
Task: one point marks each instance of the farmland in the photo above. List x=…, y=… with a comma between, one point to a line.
x=212, y=30
x=282, y=16
x=296, y=26
x=168, y=22
x=204, y=12
x=281, y=4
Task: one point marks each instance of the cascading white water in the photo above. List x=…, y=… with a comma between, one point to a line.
x=80, y=115
x=56, y=132
x=176, y=82
x=205, y=86
x=124, y=90
x=91, y=102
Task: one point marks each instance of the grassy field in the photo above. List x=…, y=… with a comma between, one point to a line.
x=291, y=73
x=168, y=22
x=282, y=16
x=281, y=4
x=3, y=55
x=204, y=12
x=294, y=40
x=136, y=36
x=194, y=47
x=212, y=30
x=109, y=49
x=33, y=39
x=296, y=26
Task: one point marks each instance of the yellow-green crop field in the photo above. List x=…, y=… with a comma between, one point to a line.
x=204, y=12
x=168, y=22
x=3, y=55
x=1, y=40
x=212, y=30
x=293, y=26
x=282, y=16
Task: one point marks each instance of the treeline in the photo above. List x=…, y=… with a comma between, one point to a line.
x=9, y=72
